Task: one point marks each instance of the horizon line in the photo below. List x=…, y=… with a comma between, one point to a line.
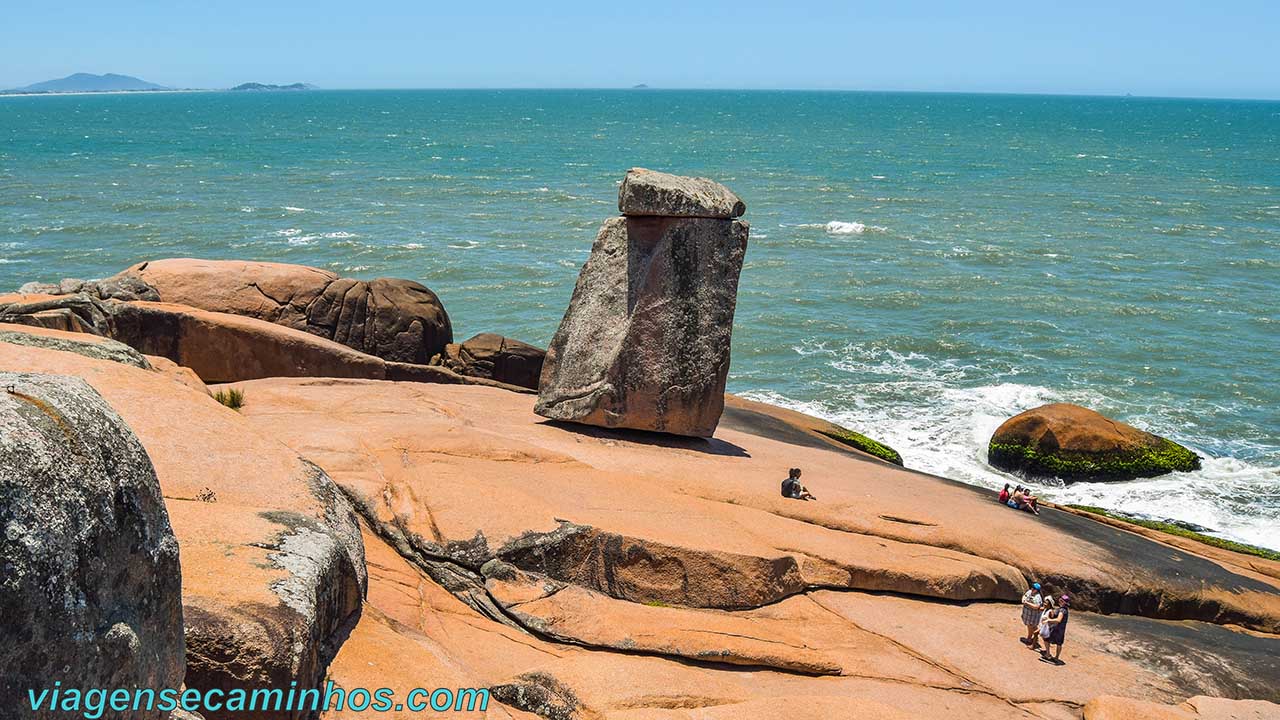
x=19, y=92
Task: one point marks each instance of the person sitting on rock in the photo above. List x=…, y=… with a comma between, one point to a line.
x=1023, y=500
x=1004, y=495
x=1030, y=503
x=791, y=487
x=1057, y=623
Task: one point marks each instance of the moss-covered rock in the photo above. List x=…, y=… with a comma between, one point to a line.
x=858, y=441
x=1074, y=443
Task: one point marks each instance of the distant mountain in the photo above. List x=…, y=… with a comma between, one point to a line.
x=641, y=86
x=86, y=82
x=262, y=86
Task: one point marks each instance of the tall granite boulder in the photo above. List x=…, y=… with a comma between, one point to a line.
x=90, y=588
x=1075, y=443
x=645, y=341
x=396, y=320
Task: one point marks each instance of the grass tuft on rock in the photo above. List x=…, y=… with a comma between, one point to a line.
x=1173, y=529
x=1166, y=457
x=861, y=442
x=232, y=398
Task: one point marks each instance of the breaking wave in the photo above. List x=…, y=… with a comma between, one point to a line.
x=940, y=415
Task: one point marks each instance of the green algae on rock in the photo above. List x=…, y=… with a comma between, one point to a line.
x=1074, y=443
x=858, y=441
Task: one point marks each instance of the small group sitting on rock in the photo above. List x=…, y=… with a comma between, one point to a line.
x=1020, y=499
x=1045, y=620
x=791, y=487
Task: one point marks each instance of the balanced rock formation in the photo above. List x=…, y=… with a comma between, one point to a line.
x=495, y=357
x=396, y=320
x=645, y=341
x=90, y=587
x=1075, y=443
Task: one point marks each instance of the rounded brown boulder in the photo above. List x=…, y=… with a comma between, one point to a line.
x=495, y=357
x=1075, y=443
x=397, y=320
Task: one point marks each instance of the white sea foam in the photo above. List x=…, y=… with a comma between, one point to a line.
x=293, y=209
x=839, y=227
x=941, y=421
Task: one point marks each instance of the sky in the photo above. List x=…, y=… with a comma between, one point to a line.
x=1201, y=48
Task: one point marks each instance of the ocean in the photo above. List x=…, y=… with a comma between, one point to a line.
x=921, y=266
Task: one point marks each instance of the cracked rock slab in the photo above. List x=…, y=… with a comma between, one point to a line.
x=1195, y=708
x=570, y=613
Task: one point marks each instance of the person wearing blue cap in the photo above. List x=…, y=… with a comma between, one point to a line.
x=1032, y=605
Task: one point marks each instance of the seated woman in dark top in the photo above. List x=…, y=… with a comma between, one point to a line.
x=791, y=487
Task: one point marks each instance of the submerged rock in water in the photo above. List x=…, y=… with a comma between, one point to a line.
x=1074, y=443
x=645, y=341
x=90, y=592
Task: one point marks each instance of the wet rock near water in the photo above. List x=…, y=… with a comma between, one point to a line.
x=1075, y=443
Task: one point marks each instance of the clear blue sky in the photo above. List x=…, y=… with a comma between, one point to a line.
x=1228, y=48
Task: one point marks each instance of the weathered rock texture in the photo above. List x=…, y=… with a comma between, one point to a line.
x=396, y=320
x=625, y=576
x=272, y=558
x=218, y=347
x=647, y=193
x=645, y=341
x=663, y=577
x=495, y=357
x=1109, y=707
x=1074, y=443
x=81, y=343
x=90, y=587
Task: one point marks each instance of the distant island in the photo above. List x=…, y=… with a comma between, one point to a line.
x=641, y=86
x=261, y=86
x=87, y=82
x=113, y=83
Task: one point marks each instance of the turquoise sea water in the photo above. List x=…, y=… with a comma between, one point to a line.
x=921, y=266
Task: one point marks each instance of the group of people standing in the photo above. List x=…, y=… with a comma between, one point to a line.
x=1046, y=620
